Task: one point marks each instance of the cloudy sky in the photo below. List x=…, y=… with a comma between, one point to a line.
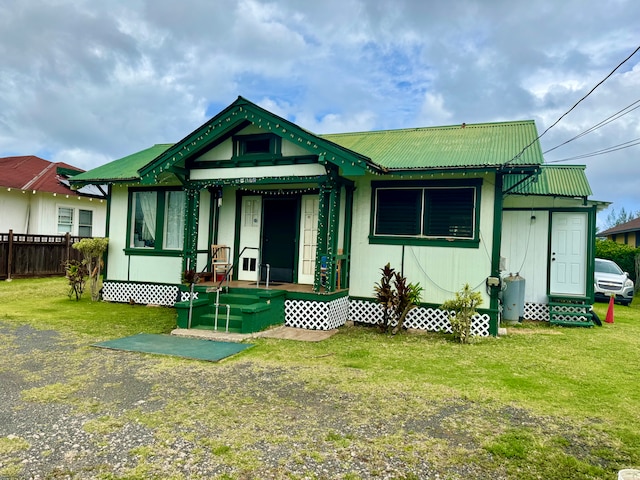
x=86, y=82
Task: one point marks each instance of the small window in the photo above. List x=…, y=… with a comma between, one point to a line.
x=85, y=223
x=65, y=220
x=266, y=144
x=257, y=145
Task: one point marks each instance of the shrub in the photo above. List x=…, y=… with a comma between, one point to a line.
x=75, y=272
x=397, y=298
x=461, y=312
x=624, y=255
x=92, y=250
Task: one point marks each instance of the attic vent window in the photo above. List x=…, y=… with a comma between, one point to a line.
x=256, y=145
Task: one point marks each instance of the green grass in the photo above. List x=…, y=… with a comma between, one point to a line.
x=540, y=402
x=43, y=303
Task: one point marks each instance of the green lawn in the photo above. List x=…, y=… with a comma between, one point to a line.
x=575, y=390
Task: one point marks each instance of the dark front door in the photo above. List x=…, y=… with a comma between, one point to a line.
x=279, y=222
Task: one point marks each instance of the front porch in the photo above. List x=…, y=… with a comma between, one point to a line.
x=247, y=307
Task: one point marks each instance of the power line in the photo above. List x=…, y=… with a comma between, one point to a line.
x=613, y=148
x=574, y=105
x=604, y=122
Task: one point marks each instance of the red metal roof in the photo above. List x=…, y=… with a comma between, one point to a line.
x=34, y=173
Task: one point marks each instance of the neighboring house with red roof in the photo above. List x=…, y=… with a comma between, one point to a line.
x=627, y=233
x=35, y=198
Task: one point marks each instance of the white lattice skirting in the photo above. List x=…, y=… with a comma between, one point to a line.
x=421, y=318
x=314, y=315
x=536, y=311
x=142, y=293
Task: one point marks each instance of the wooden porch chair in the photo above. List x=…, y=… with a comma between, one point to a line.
x=220, y=261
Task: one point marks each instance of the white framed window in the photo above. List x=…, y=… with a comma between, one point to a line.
x=157, y=219
x=65, y=220
x=85, y=223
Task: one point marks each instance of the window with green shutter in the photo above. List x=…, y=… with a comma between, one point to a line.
x=425, y=212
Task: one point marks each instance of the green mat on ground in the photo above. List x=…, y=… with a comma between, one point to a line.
x=208, y=350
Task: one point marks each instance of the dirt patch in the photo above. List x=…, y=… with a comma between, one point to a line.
x=532, y=331
x=300, y=334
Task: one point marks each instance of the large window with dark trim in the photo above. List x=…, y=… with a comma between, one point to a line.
x=157, y=219
x=425, y=212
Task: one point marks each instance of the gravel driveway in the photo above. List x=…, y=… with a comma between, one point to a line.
x=68, y=410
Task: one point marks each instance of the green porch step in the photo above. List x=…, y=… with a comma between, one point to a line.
x=249, y=311
x=207, y=321
x=235, y=298
x=579, y=315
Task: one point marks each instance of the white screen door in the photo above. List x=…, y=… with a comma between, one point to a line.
x=308, y=238
x=250, y=237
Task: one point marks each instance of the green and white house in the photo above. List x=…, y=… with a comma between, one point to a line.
x=446, y=206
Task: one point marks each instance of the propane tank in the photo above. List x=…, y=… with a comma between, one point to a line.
x=513, y=298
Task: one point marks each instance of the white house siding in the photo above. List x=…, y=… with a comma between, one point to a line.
x=14, y=211
x=440, y=270
x=525, y=245
x=305, y=170
x=37, y=213
x=525, y=249
x=118, y=264
x=227, y=221
x=44, y=217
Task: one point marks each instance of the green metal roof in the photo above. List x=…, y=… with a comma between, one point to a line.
x=124, y=168
x=480, y=146
x=457, y=146
x=556, y=180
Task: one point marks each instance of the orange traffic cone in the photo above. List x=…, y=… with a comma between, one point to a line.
x=609, y=318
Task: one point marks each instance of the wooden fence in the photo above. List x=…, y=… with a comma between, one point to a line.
x=35, y=255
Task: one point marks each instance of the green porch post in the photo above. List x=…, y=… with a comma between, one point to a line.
x=495, y=255
x=328, y=219
x=190, y=244
x=321, y=239
x=332, y=235
x=346, y=241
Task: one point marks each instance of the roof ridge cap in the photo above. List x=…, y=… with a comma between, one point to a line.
x=432, y=127
x=27, y=185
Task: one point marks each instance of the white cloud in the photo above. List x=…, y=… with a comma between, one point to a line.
x=94, y=81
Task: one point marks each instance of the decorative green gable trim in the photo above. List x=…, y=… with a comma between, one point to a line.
x=234, y=118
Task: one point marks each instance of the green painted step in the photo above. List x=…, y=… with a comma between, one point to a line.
x=237, y=299
x=208, y=320
x=557, y=315
x=570, y=323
